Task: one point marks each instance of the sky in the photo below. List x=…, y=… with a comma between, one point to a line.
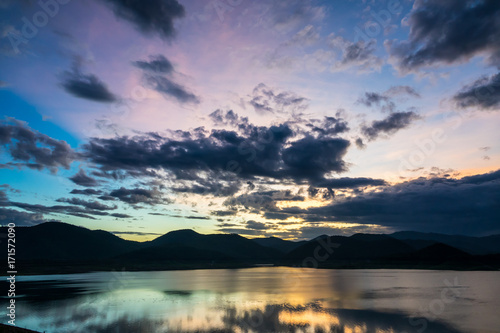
x=281, y=118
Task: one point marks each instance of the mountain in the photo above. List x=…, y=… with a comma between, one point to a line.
x=55, y=247
x=472, y=245
x=359, y=246
x=232, y=245
x=62, y=241
x=278, y=243
x=440, y=252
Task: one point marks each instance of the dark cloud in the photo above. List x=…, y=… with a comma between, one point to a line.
x=256, y=225
x=483, y=94
x=470, y=205
x=267, y=100
x=346, y=182
x=169, y=88
x=360, y=144
x=158, y=75
x=87, y=191
x=82, y=179
x=152, y=16
x=34, y=150
x=221, y=118
x=20, y=218
x=224, y=212
x=390, y=125
x=87, y=86
x=359, y=55
x=447, y=32
x=94, y=205
x=329, y=126
x=156, y=64
x=60, y=209
x=217, y=186
x=139, y=196
x=311, y=158
x=200, y=159
x=120, y=216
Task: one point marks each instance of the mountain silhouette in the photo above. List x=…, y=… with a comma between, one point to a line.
x=54, y=247
x=278, y=243
x=472, y=245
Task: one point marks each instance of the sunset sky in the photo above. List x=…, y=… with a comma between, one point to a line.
x=287, y=118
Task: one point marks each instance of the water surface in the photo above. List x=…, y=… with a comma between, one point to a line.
x=265, y=299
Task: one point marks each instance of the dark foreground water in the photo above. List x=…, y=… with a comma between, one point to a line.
x=267, y=299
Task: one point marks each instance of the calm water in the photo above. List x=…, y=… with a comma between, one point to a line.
x=267, y=299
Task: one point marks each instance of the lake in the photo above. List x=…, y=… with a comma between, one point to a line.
x=262, y=299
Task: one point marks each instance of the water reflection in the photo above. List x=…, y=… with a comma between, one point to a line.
x=259, y=300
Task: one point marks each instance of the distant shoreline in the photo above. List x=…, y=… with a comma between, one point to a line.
x=82, y=269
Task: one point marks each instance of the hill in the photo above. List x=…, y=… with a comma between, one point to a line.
x=55, y=247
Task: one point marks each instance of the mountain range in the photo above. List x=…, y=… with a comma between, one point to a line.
x=55, y=247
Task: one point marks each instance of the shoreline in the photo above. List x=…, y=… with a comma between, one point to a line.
x=75, y=270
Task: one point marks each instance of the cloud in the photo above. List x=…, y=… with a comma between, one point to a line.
x=82, y=179
x=385, y=100
x=202, y=158
x=87, y=191
x=469, y=205
x=87, y=204
x=448, y=32
x=169, y=88
x=157, y=64
x=224, y=212
x=328, y=126
x=372, y=98
x=390, y=125
x=158, y=75
x=267, y=100
x=402, y=90
x=139, y=196
x=120, y=216
x=483, y=94
x=358, y=55
x=86, y=86
x=34, y=150
x=257, y=225
x=85, y=212
x=152, y=16
x=20, y=218
x=346, y=182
